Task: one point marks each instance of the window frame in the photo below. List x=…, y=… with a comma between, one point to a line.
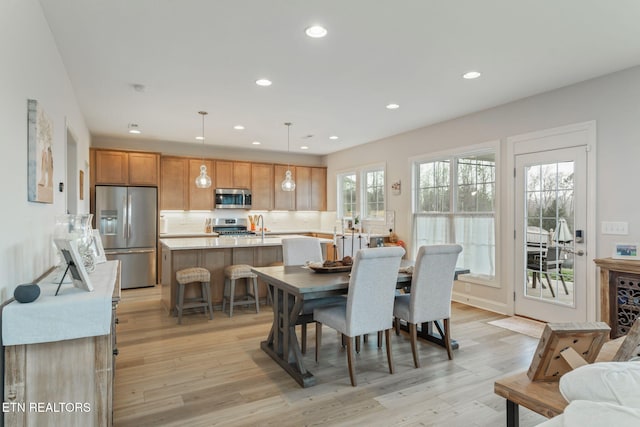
x=361, y=191
x=452, y=156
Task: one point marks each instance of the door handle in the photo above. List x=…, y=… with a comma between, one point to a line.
x=125, y=219
x=579, y=252
x=129, y=210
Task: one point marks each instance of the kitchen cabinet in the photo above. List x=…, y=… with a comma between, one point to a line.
x=174, y=173
x=143, y=168
x=230, y=174
x=126, y=168
x=311, y=188
x=200, y=198
x=262, y=186
x=283, y=200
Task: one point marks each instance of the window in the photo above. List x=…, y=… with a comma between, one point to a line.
x=374, y=194
x=347, y=194
x=362, y=193
x=454, y=202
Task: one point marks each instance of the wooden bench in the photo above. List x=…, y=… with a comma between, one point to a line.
x=540, y=396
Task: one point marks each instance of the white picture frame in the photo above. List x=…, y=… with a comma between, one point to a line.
x=626, y=251
x=97, y=248
x=79, y=275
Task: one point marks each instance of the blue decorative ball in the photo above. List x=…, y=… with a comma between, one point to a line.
x=28, y=292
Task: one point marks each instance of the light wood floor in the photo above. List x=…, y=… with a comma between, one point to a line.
x=212, y=372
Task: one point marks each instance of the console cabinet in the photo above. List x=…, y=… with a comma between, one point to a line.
x=66, y=383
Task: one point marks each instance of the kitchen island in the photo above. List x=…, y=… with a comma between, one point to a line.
x=214, y=254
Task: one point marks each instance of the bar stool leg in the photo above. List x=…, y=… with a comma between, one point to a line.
x=207, y=298
x=255, y=293
x=232, y=293
x=225, y=293
x=180, y=302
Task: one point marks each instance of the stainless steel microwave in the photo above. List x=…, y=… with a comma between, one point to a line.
x=233, y=198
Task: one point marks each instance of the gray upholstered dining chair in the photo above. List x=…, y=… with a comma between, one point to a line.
x=299, y=251
x=369, y=303
x=430, y=297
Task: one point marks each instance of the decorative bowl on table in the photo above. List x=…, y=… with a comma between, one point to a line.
x=329, y=267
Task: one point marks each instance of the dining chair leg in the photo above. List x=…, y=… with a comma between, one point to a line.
x=379, y=339
x=447, y=338
x=303, y=338
x=318, y=339
x=387, y=335
x=343, y=340
x=553, y=294
x=352, y=373
x=365, y=338
x=358, y=344
x=397, y=323
x=413, y=331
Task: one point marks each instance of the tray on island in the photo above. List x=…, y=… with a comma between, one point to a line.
x=337, y=269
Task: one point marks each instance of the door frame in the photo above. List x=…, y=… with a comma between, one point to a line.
x=525, y=144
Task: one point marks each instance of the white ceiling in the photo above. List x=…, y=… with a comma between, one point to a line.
x=193, y=55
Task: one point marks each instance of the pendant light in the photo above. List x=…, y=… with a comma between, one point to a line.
x=203, y=180
x=288, y=184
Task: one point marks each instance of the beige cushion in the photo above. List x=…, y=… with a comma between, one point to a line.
x=193, y=274
x=238, y=271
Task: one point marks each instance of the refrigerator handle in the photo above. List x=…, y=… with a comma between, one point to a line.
x=129, y=213
x=125, y=217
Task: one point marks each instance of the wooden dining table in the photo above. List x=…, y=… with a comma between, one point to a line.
x=290, y=287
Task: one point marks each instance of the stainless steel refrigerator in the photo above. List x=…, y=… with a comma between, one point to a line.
x=126, y=218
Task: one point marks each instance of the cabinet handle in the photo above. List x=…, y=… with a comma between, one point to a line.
x=116, y=352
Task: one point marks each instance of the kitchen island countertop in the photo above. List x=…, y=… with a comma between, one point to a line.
x=225, y=242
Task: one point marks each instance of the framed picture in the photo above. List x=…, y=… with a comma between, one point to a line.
x=97, y=248
x=626, y=251
x=75, y=266
x=565, y=345
x=40, y=149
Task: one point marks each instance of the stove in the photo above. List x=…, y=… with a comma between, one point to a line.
x=231, y=227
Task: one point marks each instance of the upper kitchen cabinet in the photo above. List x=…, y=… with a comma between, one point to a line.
x=126, y=168
x=283, y=200
x=262, y=186
x=174, y=174
x=231, y=174
x=311, y=188
x=200, y=198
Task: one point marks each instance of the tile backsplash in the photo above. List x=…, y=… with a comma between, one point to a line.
x=179, y=222
x=193, y=221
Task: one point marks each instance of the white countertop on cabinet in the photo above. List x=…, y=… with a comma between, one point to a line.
x=225, y=242
x=73, y=313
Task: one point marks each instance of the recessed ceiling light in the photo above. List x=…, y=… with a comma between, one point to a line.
x=263, y=82
x=238, y=127
x=256, y=143
x=333, y=137
x=200, y=138
x=392, y=106
x=316, y=31
x=304, y=147
x=470, y=75
x=133, y=128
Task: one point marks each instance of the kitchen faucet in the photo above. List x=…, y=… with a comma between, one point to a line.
x=260, y=218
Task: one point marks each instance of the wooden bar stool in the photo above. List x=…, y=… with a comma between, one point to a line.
x=189, y=276
x=231, y=274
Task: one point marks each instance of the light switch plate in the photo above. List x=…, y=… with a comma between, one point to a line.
x=619, y=228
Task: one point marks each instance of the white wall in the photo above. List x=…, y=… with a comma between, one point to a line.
x=32, y=69
x=613, y=101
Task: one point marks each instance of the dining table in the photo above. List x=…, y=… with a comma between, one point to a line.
x=290, y=287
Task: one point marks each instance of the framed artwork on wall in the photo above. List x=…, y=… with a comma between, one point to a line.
x=40, y=157
x=625, y=251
